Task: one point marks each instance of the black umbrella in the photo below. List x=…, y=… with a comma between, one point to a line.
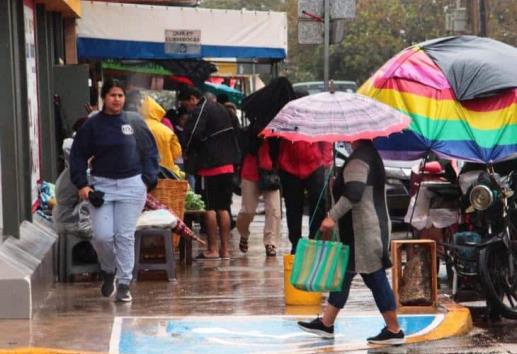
x=474, y=66
x=263, y=105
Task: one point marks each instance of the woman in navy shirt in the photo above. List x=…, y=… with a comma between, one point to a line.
x=124, y=164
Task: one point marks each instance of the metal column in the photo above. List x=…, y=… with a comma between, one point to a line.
x=326, y=45
x=45, y=61
x=14, y=134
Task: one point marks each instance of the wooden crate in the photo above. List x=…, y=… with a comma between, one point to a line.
x=398, y=247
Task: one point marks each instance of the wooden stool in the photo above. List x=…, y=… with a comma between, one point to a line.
x=397, y=248
x=169, y=266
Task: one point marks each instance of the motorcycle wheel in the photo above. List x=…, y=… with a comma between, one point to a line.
x=494, y=270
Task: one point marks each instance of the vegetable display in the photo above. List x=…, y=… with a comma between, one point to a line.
x=193, y=201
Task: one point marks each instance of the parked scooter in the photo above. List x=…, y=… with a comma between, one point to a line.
x=486, y=254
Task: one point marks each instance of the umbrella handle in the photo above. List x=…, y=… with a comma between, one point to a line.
x=332, y=86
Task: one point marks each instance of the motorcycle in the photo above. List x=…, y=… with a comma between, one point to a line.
x=486, y=254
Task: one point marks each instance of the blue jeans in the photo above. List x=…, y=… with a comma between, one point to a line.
x=378, y=284
x=114, y=223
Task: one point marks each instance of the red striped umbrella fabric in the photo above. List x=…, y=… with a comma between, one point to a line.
x=332, y=117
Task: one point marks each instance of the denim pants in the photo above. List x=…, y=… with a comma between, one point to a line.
x=378, y=284
x=114, y=223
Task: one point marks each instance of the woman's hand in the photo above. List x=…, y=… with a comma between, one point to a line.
x=151, y=185
x=326, y=228
x=83, y=192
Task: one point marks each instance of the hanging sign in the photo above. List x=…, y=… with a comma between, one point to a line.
x=183, y=42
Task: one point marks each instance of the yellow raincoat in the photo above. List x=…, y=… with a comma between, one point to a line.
x=166, y=141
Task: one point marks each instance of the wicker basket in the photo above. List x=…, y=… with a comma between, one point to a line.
x=172, y=193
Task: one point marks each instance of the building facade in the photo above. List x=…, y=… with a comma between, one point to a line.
x=35, y=36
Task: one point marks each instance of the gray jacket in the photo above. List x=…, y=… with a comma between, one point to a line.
x=70, y=215
x=361, y=210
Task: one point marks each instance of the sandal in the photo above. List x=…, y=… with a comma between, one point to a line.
x=203, y=257
x=243, y=244
x=270, y=250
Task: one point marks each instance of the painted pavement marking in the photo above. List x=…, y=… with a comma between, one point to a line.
x=250, y=334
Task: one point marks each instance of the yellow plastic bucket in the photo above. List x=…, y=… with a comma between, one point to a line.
x=294, y=296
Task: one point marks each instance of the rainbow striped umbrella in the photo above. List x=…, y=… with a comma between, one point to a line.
x=461, y=93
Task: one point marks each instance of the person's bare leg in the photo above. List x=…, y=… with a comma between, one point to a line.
x=223, y=219
x=392, y=322
x=329, y=315
x=211, y=230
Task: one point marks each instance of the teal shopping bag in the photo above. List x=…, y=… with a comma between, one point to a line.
x=320, y=265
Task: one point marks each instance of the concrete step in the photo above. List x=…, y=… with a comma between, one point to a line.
x=26, y=269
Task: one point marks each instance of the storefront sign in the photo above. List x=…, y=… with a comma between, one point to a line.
x=183, y=42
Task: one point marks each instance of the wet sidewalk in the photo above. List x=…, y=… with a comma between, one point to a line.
x=223, y=306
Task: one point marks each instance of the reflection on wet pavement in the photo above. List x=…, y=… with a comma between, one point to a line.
x=76, y=317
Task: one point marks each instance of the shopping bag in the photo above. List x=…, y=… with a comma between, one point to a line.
x=320, y=265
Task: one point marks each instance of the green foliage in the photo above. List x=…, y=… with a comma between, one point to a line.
x=381, y=29
x=502, y=21
x=258, y=5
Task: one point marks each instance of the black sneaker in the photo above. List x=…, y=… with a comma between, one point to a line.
x=317, y=327
x=387, y=337
x=123, y=293
x=108, y=283
x=270, y=250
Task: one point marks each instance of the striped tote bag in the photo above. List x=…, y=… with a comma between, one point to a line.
x=319, y=265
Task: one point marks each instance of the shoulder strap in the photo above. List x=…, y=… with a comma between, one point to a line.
x=220, y=132
x=196, y=124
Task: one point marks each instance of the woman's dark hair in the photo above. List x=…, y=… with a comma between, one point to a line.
x=109, y=84
x=187, y=92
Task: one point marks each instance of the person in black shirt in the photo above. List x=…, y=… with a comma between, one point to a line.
x=211, y=153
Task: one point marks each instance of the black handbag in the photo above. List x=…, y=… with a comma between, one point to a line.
x=236, y=181
x=269, y=180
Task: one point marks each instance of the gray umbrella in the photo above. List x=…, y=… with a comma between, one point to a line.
x=474, y=66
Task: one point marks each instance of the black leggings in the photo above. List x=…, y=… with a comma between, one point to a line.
x=293, y=189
